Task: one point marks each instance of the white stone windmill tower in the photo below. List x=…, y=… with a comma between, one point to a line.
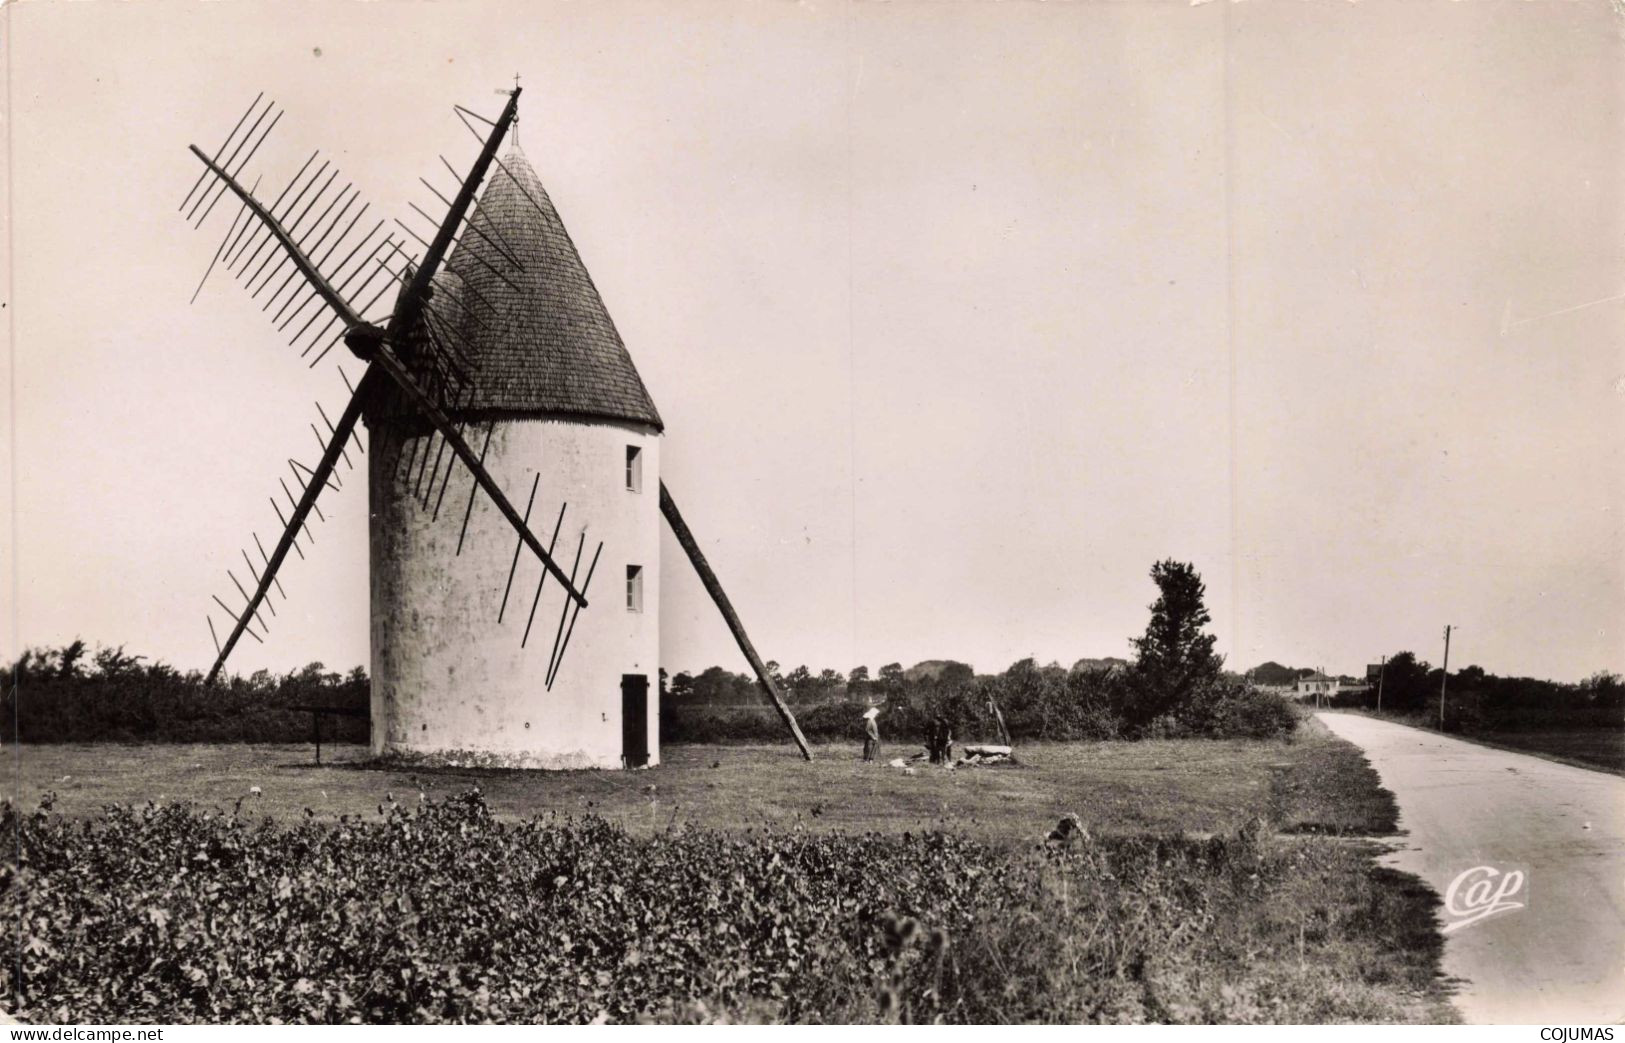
x=499, y=370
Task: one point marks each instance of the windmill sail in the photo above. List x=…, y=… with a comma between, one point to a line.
x=378, y=346
x=306, y=503
x=441, y=361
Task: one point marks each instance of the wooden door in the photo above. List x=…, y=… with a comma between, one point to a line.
x=635, y=720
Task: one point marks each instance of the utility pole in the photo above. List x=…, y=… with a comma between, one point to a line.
x=1382, y=672
x=1444, y=675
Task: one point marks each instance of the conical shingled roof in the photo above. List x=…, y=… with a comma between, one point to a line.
x=539, y=339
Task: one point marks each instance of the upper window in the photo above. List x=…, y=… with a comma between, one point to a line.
x=634, y=588
x=634, y=469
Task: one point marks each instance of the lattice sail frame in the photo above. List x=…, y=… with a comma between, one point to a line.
x=412, y=353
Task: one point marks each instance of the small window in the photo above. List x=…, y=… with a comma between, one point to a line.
x=634, y=469
x=634, y=588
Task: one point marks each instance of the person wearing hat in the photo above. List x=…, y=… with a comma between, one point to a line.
x=871, y=733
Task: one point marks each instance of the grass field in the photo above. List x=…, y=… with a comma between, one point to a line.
x=1582, y=747
x=1311, y=784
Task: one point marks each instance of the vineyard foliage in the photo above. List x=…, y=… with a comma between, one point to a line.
x=437, y=912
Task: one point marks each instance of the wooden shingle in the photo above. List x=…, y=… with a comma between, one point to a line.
x=538, y=338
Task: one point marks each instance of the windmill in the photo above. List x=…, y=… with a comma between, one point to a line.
x=496, y=365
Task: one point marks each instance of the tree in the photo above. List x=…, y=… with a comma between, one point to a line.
x=71, y=658
x=1405, y=683
x=857, y=679
x=1604, y=691
x=891, y=676
x=1273, y=673
x=115, y=662
x=713, y=686
x=682, y=686
x=1175, y=661
x=1022, y=693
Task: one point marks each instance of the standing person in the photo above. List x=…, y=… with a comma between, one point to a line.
x=940, y=740
x=871, y=733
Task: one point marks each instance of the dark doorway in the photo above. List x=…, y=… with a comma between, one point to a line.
x=635, y=720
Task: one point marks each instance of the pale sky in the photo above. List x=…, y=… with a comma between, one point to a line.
x=959, y=315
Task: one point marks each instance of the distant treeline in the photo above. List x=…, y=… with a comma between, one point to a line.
x=1176, y=686
x=1036, y=702
x=1274, y=674
x=715, y=686
x=72, y=694
x=1476, y=701
x=76, y=694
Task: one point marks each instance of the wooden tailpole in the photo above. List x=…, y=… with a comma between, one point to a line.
x=669, y=508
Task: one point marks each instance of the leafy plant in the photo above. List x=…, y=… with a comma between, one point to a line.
x=441, y=913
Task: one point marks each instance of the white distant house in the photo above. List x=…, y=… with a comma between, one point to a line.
x=1320, y=684
x=1315, y=684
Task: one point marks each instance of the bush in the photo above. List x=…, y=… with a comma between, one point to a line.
x=1481, y=702
x=443, y=913
x=1239, y=711
x=722, y=724
x=1038, y=704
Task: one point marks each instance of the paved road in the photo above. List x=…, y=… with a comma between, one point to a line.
x=1558, y=957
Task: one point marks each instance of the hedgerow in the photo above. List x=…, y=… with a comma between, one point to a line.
x=441, y=913
x=1037, y=704
x=71, y=694
x=74, y=695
